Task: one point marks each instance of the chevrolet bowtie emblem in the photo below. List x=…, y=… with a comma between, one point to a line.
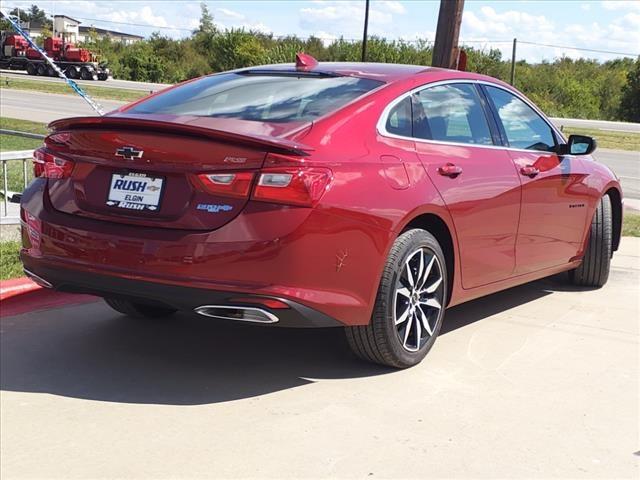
x=129, y=153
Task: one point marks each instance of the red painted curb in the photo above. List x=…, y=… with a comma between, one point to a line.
x=16, y=286
x=22, y=295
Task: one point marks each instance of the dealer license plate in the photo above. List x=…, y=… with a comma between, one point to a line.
x=135, y=191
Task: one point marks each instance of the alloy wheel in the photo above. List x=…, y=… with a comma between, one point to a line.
x=418, y=299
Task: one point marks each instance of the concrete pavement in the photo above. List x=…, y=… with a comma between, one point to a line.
x=540, y=381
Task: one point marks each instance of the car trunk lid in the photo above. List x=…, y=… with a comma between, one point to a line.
x=147, y=170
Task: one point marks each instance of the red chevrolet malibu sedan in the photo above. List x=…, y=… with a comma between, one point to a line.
x=365, y=196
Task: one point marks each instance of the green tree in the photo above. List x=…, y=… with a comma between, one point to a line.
x=630, y=101
x=140, y=62
x=33, y=16
x=46, y=31
x=5, y=25
x=206, y=21
x=37, y=15
x=236, y=49
x=92, y=40
x=21, y=14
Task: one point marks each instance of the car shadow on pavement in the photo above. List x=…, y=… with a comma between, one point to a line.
x=91, y=352
x=481, y=308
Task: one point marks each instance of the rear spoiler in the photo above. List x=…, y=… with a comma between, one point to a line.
x=272, y=144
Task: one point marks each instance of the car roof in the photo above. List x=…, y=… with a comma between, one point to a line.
x=386, y=72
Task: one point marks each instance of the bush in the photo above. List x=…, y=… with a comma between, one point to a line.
x=630, y=97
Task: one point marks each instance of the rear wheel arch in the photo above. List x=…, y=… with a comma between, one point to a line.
x=616, y=216
x=437, y=227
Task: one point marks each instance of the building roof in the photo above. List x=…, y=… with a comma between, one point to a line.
x=104, y=31
x=32, y=25
x=68, y=18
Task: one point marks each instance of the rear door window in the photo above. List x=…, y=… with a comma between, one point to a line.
x=451, y=113
x=522, y=125
x=273, y=97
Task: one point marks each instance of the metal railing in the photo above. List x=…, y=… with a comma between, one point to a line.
x=37, y=136
x=9, y=217
x=10, y=211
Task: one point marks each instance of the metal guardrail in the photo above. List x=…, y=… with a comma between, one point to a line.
x=7, y=217
x=11, y=216
x=4, y=131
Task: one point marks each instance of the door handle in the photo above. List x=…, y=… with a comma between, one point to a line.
x=450, y=170
x=529, y=171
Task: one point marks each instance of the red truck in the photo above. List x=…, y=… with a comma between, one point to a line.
x=16, y=54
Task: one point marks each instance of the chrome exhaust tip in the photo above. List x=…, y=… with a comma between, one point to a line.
x=39, y=280
x=242, y=314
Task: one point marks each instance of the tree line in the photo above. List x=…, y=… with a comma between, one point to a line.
x=564, y=87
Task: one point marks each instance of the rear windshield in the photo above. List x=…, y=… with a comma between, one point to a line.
x=259, y=97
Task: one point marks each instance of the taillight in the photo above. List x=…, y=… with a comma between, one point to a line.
x=237, y=184
x=292, y=186
x=49, y=166
x=284, y=180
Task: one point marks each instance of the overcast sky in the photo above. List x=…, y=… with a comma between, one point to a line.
x=600, y=25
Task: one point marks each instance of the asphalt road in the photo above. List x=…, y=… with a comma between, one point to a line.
x=46, y=107
x=540, y=381
x=111, y=83
x=626, y=165
x=597, y=124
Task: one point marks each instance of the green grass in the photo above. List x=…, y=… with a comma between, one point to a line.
x=23, y=125
x=631, y=225
x=609, y=139
x=12, y=142
x=15, y=176
x=10, y=265
x=105, y=93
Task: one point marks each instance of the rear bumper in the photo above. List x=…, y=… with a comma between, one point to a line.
x=179, y=297
x=315, y=260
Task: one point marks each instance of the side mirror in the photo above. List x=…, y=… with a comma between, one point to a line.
x=578, y=145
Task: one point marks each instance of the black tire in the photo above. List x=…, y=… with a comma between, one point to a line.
x=380, y=341
x=139, y=310
x=594, y=269
x=51, y=72
x=42, y=70
x=86, y=73
x=31, y=69
x=72, y=72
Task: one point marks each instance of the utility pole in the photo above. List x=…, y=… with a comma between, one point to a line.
x=364, y=35
x=445, y=49
x=53, y=20
x=513, y=62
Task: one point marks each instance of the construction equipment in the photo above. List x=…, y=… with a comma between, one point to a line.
x=51, y=64
x=16, y=54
